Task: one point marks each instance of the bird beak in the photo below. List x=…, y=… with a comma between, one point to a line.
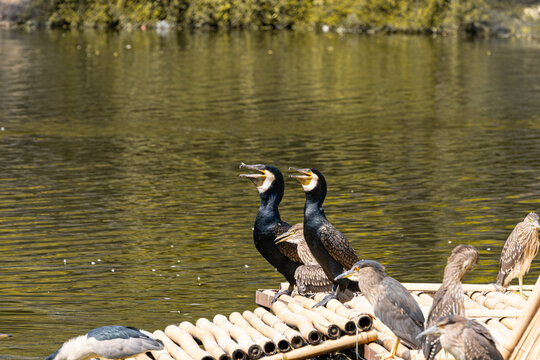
x=283, y=237
x=432, y=330
x=304, y=178
x=535, y=223
x=257, y=179
x=346, y=274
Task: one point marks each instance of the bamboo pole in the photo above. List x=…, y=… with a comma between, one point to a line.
x=253, y=350
x=529, y=340
x=207, y=339
x=264, y=342
x=278, y=338
x=295, y=338
x=186, y=342
x=322, y=324
x=433, y=287
x=348, y=326
x=530, y=309
x=510, y=298
x=174, y=350
x=328, y=346
x=488, y=313
x=222, y=337
x=490, y=303
x=302, y=323
x=363, y=321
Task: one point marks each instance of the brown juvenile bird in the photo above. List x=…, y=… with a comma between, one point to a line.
x=518, y=252
x=449, y=299
x=465, y=339
x=392, y=303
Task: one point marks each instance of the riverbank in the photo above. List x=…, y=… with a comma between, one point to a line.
x=476, y=17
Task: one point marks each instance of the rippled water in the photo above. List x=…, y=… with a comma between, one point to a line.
x=120, y=201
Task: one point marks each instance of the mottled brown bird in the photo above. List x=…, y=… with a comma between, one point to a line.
x=392, y=303
x=449, y=299
x=330, y=247
x=518, y=252
x=269, y=225
x=465, y=339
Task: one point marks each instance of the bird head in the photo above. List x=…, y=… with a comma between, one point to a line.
x=312, y=181
x=440, y=326
x=265, y=178
x=293, y=236
x=532, y=219
x=464, y=257
x=362, y=268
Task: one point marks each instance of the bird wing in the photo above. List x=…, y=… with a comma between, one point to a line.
x=286, y=248
x=118, y=342
x=312, y=279
x=398, y=310
x=479, y=343
x=443, y=304
x=337, y=245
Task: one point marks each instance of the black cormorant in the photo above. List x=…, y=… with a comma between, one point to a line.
x=329, y=246
x=269, y=225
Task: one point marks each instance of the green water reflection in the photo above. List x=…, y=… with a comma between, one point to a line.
x=120, y=201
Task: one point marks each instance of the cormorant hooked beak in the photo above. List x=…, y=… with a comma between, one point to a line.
x=303, y=179
x=259, y=178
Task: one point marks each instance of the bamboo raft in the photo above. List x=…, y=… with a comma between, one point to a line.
x=292, y=329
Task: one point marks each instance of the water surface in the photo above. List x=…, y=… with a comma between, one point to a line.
x=120, y=201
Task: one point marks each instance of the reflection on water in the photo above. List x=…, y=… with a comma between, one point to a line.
x=120, y=201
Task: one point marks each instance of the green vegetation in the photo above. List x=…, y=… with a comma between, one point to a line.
x=426, y=16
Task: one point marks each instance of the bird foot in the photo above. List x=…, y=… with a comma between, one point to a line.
x=385, y=356
x=326, y=299
x=279, y=293
x=522, y=294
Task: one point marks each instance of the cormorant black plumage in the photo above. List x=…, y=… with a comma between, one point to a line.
x=269, y=225
x=329, y=246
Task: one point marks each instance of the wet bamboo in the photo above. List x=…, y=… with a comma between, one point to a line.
x=433, y=287
x=278, y=338
x=222, y=337
x=253, y=350
x=187, y=343
x=264, y=342
x=295, y=338
x=174, y=350
x=302, y=323
x=524, y=319
x=207, y=339
x=348, y=326
x=332, y=331
x=363, y=320
x=328, y=346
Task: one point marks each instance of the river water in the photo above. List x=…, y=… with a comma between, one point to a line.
x=120, y=200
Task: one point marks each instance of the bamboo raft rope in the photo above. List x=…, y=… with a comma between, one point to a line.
x=292, y=328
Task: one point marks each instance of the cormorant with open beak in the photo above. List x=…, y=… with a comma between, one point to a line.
x=269, y=225
x=329, y=246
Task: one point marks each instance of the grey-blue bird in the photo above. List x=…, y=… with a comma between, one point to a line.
x=111, y=342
